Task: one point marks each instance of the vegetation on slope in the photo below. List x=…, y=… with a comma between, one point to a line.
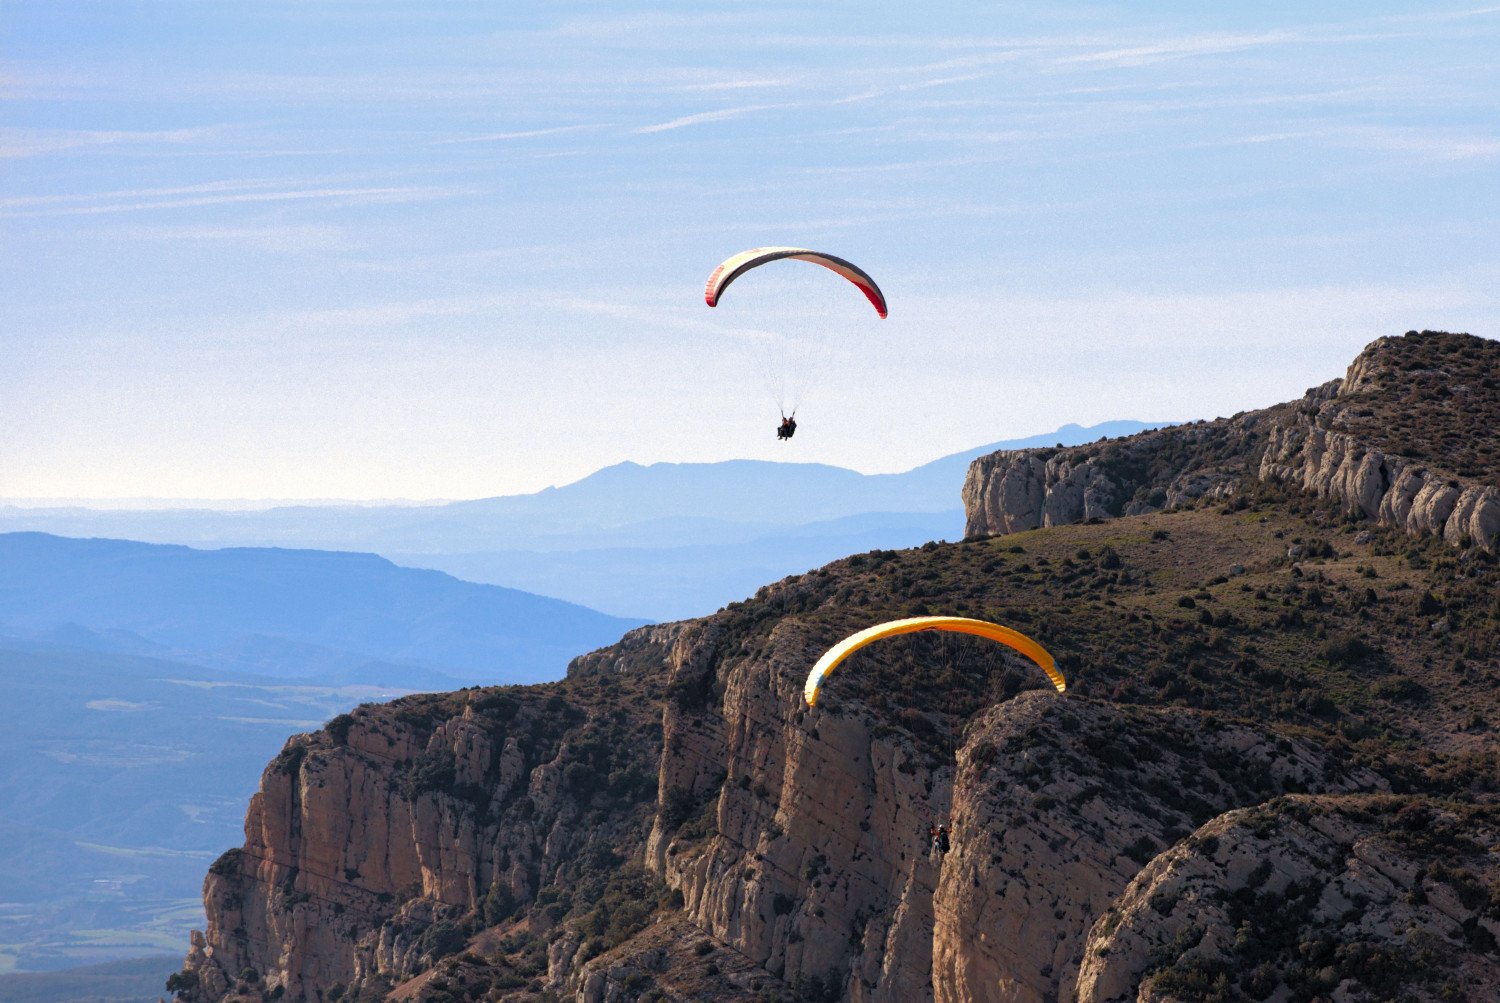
x=1431, y=396
x=1272, y=606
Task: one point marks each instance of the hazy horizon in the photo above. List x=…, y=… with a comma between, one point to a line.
x=258, y=504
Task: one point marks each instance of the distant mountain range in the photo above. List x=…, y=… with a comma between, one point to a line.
x=143, y=686
x=663, y=541
x=289, y=613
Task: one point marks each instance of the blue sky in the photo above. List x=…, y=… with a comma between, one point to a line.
x=367, y=249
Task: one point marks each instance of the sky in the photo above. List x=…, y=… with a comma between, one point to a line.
x=367, y=249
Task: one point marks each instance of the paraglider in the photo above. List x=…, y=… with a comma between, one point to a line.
x=792, y=356
x=741, y=263
x=958, y=624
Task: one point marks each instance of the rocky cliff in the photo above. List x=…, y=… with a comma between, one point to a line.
x=1328, y=897
x=1058, y=803
x=1403, y=439
x=670, y=822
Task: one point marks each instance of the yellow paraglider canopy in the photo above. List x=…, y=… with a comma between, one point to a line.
x=955, y=624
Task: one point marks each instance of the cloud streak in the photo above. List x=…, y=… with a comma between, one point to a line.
x=347, y=195
x=502, y=137
x=708, y=117
x=15, y=143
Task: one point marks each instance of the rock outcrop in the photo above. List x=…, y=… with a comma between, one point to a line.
x=672, y=823
x=1342, y=441
x=368, y=840
x=1342, y=898
x=1059, y=803
x=814, y=863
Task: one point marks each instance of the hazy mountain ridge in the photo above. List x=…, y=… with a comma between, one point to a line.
x=288, y=612
x=619, y=496
x=153, y=681
x=675, y=580
x=572, y=840
x=616, y=540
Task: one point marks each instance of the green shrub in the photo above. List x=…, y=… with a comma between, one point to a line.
x=442, y=939
x=183, y=983
x=432, y=771
x=499, y=904
x=228, y=863
x=338, y=729
x=1347, y=650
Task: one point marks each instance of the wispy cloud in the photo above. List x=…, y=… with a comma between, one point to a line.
x=302, y=239
x=918, y=85
x=392, y=314
x=269, y=328
x=742, y=84
x=15, y=142
x=1199, y=45
x=1423, y=144
x=501, y=137
x=1450, y=15
x=132, y=193
x=706, y=117
x=351, y=195
x=34, y=80
x=904, y=165
x=671, y=316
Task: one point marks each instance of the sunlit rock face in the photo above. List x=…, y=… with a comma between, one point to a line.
x=796, y=838
x=1058, y=804
x=1344, y=440
x=672, y=822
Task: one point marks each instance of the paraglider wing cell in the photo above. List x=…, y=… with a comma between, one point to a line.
x=958, y=624
x=741, y=263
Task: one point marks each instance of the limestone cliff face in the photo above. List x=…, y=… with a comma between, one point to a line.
x=1058, y=804
x=1390, y=489
x=1332, y=443
x=1015, y=490
x=368, y=836
x=1333, y=897
x=672, y=823
x=796, y=839
x=814, y=861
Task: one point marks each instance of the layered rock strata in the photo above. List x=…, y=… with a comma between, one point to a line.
x=1326, y=444
x=814, y=859
x=670, y=822
x=394, y=821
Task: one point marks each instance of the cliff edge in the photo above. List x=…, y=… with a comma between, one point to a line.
x=1265, y=676
x=1404, y=439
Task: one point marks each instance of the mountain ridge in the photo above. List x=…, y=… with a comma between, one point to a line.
x=1254, y=669
x=1352, y=440
x=201, y=605
x=616, y=534
x=938, y=495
